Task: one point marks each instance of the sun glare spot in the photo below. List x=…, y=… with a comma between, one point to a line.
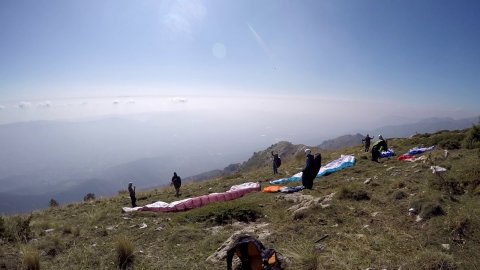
x=219, y=50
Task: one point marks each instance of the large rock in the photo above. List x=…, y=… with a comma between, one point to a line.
x=258, y=230
x=306, y=201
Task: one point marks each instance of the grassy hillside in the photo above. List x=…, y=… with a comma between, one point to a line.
x=358, y=218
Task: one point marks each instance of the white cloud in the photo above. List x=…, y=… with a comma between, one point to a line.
x=2, y=107
x=179, y=99
x=45, y=104
x=24, y=105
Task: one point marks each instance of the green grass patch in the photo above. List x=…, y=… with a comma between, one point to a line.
x=224, y=213
x=353, y=193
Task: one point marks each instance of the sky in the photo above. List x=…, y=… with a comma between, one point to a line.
x=376, y=54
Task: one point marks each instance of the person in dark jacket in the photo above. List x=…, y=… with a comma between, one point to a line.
x=131, y=191
x=275, y=163
x=378, y=147
x=366, y=142
x=177, y=183
x=308, y=171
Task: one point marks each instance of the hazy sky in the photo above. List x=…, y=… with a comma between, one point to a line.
x=399, y=53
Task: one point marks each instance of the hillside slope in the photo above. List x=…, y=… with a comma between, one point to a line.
x=357, y=218
x=342, y=142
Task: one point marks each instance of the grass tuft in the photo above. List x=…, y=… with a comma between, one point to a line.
x=17, y=229
x=427, y=208
x=30, y=258
x=353, y=193
x=432, y=260
x=399, y=194
x=124, y=252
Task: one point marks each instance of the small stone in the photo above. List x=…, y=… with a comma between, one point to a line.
x=319, y=246
x=360, y=236
x=49, y=230
x=143, y=226
x=391, y=168
x=374, y=214
x=418, y=219
x=368, y=180
x=446, y=246
x=159, y=228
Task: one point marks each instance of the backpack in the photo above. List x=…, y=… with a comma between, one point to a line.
x=278, y=162
x=317, y=163
x=253, y=255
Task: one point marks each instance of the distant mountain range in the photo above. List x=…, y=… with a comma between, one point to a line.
x=342, y=142
x=429, y=125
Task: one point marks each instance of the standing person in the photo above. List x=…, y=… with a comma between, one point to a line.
x=131, y=191
x=276, y=162
x=366, y=142
x=378, y=147
x=308, y=171
x=177, y=183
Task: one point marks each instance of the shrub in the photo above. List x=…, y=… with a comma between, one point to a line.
x=52, y=245
x=124, y=250
x=432, y=260
x=461, y=227
x=2, y=227
x=53, y=203
x=17, y=228
x=30, y=258
x=67, y=229
x=399, y=194
x=449, y=144
x=472, y=138
x=427, y=208
x=352, y=193
x=224, y=213
x=89, y=197
x=76, y=232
